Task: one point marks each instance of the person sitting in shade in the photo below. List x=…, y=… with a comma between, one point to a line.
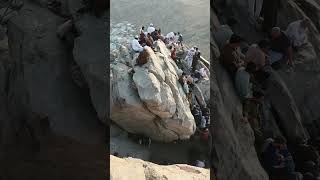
x=136, y=45
x=297, y=32
x=280, y=47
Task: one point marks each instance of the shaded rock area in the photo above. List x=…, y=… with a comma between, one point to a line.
x=131, y=168
x=291, y=106
x=50, y=127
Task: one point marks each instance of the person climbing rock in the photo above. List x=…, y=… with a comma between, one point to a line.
x=297, y=32
x=230, y=57
x=280, y=48
x=270, y=14
x=149, y=40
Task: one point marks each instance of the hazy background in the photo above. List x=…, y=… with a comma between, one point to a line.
x=191, y=18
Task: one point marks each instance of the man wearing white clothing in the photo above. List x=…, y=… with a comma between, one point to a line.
x=136, y=45
x=297, y=32
x=151, y=29
x=189, y=57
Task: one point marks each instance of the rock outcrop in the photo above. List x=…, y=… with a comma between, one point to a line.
x=130, y=168
x=147, y=100
x=44, y=115
x=292, y=98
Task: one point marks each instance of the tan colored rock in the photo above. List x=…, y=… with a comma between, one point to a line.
x=130, y=168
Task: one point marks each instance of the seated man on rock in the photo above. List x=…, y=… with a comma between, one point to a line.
x=303, y=152
x=230, y=57
x=278, y=161
x=280, y=48
x=251, y=101
x=137, y=48
x=143, y=57
x=257, y=53
x=297, y=32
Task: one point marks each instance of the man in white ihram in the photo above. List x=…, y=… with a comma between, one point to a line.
x=151, y=29
x=136, y=45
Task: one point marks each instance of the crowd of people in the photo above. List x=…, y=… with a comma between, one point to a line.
x=250, y=68
x=192, y=73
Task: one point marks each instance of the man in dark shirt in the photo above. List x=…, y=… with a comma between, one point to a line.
x=280, y=47
x=230, y=57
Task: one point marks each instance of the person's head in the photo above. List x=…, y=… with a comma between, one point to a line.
x=251, y=67
x=136, y=37
x=235, y=40
x=264, y=45
x=174, y=33
x=178, y=33
x=305, y=23
x=149, y=35
x=142, y=27
x=275, y=32
x=151, y=25
x=280, y=142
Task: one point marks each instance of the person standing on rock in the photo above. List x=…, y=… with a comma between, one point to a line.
x=189, y=57
x=136, y=45
x=141, y=30
x=270, y=14
x=255, y=7
x=195, y=59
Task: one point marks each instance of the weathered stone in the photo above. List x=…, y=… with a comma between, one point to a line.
x=130, y=168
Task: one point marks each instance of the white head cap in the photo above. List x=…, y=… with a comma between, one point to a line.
x=136, y=37
x=151, y=24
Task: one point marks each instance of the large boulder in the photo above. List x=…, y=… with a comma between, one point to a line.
x=130, y=168
x=148, y=100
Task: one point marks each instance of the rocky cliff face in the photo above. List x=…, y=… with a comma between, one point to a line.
x=292, y=93
x=47, y=121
